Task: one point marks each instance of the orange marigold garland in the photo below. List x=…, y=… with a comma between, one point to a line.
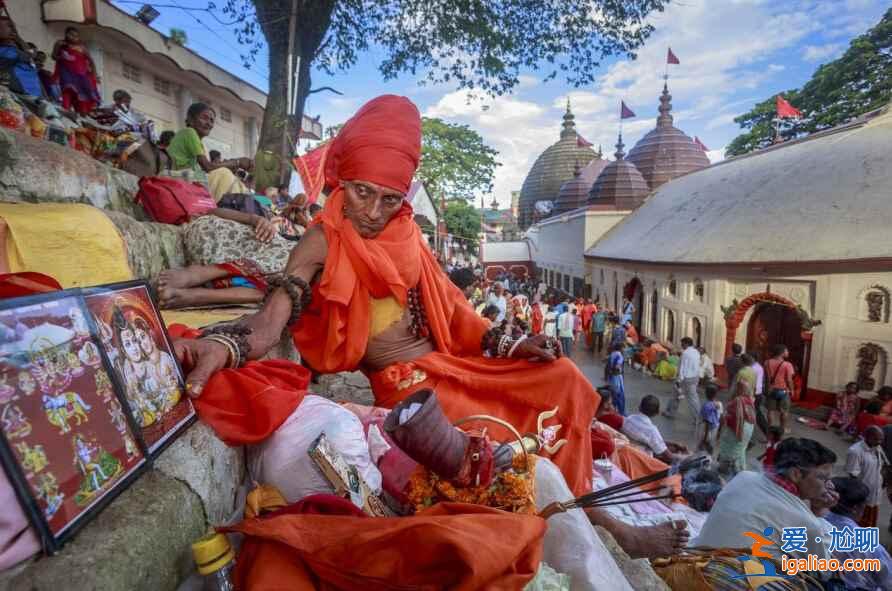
x=513, y=490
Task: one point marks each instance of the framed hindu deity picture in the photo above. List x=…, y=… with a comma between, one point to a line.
x=134, y=339
x=69, y=443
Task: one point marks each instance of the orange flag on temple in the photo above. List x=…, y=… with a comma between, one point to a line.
x=785, y=109
x=311, y=167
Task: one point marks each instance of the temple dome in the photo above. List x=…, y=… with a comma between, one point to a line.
x=553, y=167
x=620, y=184
x=574, y=193
x=666, y=152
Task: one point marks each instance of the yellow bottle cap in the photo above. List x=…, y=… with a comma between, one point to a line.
x=211, y=553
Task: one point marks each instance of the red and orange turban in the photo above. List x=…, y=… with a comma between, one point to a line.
x=381, y=144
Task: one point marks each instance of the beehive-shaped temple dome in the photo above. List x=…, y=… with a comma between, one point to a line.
x=666, y=152
x=620, y=184
x=574, y=193
x=553, y=167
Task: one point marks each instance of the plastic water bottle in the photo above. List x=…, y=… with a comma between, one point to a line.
x=215, y=559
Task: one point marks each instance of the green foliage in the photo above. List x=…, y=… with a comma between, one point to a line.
x=463, y=221
x=455, y=161
x=473, y=44
x=856, y=83
x=179, y=37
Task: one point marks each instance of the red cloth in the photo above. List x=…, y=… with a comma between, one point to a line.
x=14, y=285
x=244, y=268
x=602, y=443
x=449, y=546
x=245, y=406
x=613, y=420
x=671, y=58
x=866, y=420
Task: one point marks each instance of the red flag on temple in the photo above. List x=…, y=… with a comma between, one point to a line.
x=785, y=109
x=700, y=144
x=625, y=112
x=671, y=58
x=581, y=142
x=311, y=167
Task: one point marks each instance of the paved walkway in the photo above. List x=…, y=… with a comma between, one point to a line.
x=681, y=430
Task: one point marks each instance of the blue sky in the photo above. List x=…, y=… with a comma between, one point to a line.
x=733, y=53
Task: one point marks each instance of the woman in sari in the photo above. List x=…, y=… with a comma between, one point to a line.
x=736, y=429
x=76, y=73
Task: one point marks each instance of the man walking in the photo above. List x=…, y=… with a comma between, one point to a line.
x=566, y=330
x=866, y=461
x=780, y=374
x=687, y=380
x=599, y=325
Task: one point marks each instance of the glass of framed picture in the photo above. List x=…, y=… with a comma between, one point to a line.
x=69, y=441
x=136, y=343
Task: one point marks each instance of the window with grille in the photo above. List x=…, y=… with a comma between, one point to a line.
x=132, y=73
x=698, y=290
x=226, y=115
x=162, y=86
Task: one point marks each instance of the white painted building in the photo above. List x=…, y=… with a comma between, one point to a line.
x=789, y=244
x=557, y=243
x=162, y=77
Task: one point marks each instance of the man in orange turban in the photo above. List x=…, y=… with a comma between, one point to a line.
x=380, y=303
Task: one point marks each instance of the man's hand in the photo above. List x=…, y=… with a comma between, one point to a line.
x=200, y=358
x=538, y=348
x=677, y=448
x=264, y=230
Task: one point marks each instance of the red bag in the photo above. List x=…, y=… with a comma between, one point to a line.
x=173, y=201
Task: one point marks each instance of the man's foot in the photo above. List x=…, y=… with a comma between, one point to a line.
x=652, y=541
x=170, y=298
x=175, y=278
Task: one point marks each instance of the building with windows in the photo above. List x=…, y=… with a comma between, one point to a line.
x=789, y=244
x=163, y=78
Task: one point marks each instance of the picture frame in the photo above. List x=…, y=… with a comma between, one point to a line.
x=68, y=440
x=137, y=344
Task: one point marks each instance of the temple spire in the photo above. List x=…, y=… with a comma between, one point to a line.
x=619, y=154
x=569, y=126
x=665, y=118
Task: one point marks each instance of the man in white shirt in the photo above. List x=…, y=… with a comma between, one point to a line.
x=497, y=298
x=687, y=380
x=866, y=461
x=566, y=322
x=765, y=503
x=639, y=427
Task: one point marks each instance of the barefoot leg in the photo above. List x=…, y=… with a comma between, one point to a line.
x=191, y=276
x=183, y=298
x=653, y=541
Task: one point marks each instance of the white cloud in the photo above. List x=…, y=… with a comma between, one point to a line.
x=716, y=155
x=817, y=53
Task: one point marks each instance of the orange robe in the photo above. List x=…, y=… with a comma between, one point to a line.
x=333, y=333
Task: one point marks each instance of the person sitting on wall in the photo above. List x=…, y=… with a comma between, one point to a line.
x=17, y=70
x=362, y=291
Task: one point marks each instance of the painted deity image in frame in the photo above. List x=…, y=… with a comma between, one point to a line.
x=133, y=337
x=63, y=448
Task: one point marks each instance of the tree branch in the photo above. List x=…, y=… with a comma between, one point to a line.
x=329, y=88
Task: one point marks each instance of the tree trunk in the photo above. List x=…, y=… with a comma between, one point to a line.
x=313, y=18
